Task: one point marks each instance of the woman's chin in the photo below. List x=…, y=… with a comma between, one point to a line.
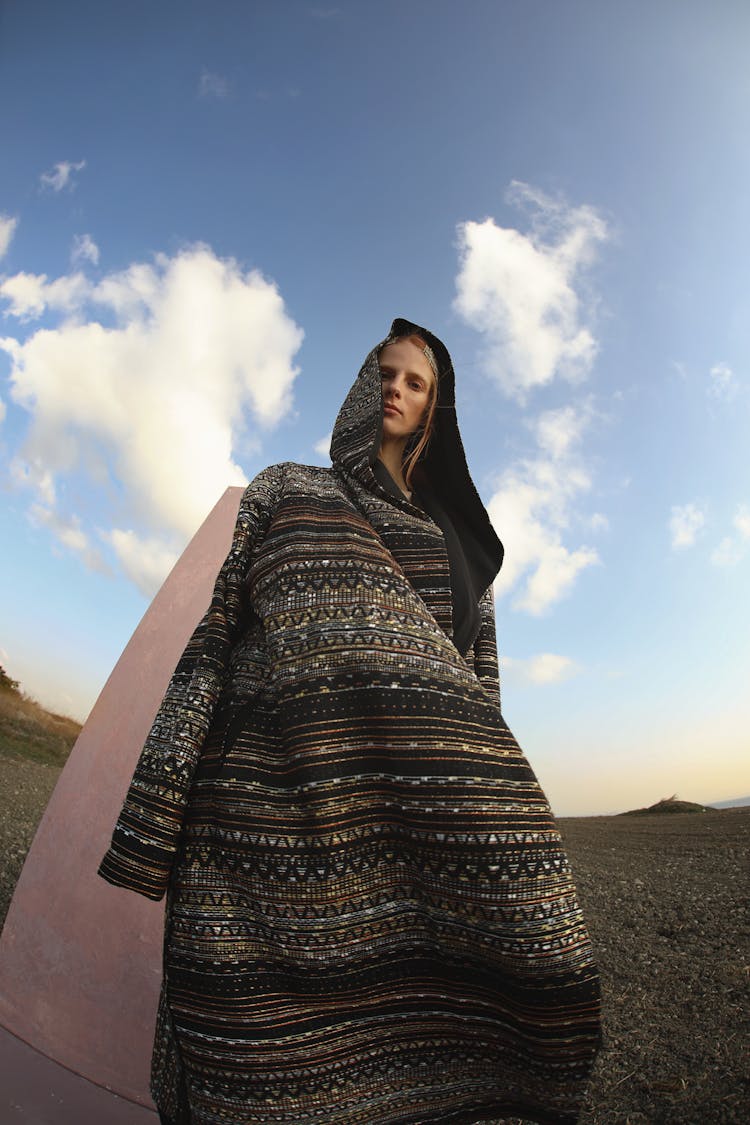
x=394, y=428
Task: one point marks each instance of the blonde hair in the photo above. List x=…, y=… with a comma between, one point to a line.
x=410, y=462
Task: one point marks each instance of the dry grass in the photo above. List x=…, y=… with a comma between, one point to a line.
x=29, y=732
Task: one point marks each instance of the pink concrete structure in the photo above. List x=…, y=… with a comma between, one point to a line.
x=80, y=960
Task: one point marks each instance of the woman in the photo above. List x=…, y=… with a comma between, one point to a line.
x=370, y=918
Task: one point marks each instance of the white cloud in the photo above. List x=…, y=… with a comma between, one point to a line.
x=518, y=290
x=741, y=521
x=84, y=250
x=212, y=85
x=7, y=229
x=36, y=476
x=146, y=561
x=722, y=381
x=29, y=294
x=323, y=447
x=685, y=522
x=144, y=390
x=23, y=292
x=68, y=531
x=545, y=668
x=558, y=431
x=60, y=176
x=531, y=509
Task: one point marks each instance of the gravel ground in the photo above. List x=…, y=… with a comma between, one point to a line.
x=25, y=789
x=665, y=898
x=666, y=902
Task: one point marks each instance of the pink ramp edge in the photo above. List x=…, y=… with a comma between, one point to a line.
x=80, y=960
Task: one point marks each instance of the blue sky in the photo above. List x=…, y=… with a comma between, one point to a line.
x=210, y=211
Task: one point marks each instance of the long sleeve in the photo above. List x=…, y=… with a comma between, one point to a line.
x=146, y=833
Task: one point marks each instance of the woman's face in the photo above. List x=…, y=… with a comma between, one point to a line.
x=407, y=381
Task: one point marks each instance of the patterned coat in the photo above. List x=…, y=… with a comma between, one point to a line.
x=370, y=917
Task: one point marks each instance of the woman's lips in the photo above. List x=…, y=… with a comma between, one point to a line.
x=390, y=409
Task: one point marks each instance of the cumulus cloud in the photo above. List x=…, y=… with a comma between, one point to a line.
x=84, y=250
x=685, y=522
x=545, y=668
x=323, y=447
x=722, y=382
x=145, y=389
x=212, y=85
x=146, y=560
x=533, y=507
x=28, y=295
x=61, y=175
x=558, y=431
x=520, y=291
x=7, y=229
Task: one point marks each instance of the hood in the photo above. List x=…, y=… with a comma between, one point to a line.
x=442, y=470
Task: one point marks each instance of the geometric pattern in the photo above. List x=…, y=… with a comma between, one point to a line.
x=370, y=915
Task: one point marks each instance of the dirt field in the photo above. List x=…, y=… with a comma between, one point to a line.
x=666, y=902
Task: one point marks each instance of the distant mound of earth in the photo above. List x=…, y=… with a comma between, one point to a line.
x=29, y=731
x=668, y=805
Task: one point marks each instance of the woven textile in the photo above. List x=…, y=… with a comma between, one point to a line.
x=370, y=917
